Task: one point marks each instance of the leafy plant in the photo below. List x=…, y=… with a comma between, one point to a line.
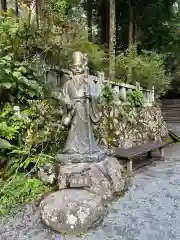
x=18, y=191
x=19, y=79
x=147, y=68
x=135, y=98
x=36, y=132
x=107, y=94
x=97, y=58
x=4, y=144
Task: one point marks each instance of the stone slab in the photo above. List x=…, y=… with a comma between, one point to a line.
x=67, y=170
x=79, y=181
x=66, y=159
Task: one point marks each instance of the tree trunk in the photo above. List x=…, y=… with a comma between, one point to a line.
x=112, y=40
x=103, y=22
x=17, y=8
x=104, y=13
x=4, y=6
x=130, y=42
x=131, y=20
x=40, y=6
x=107, y=14
x=89, y=19
x=37, y=6
x=134, y=33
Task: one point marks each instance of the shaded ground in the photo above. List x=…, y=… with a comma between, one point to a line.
x=150, y=210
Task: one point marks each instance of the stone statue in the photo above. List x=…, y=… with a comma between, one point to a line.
x=80, y=96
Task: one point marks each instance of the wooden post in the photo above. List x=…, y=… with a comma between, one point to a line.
x=129, y=168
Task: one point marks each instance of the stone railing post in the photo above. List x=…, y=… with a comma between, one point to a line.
x=123, y=94
x=100, y=79
x=116, y=91
x=153, y=95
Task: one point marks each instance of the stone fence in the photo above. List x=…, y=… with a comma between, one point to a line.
x=121, y=89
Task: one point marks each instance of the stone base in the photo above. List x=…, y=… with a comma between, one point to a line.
x=80, y=208
x=72, y=211
x=104, y=178
x=65, y=159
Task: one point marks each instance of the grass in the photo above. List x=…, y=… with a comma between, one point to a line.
x=18, y=191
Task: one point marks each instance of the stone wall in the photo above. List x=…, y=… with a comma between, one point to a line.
x=125, y=126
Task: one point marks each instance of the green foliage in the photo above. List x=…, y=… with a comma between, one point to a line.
x=4, y=144
x=147, y=68
x=59, y=5
x=96, y=56
x=36, y=132
x=18, y=78
x=107, y=94
x=135, y=98
x=18, y=191
x=107, y=103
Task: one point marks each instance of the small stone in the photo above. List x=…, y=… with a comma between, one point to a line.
x=47, y=173
x=72, y=211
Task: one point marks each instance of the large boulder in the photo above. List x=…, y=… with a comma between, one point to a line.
x=115, y=171
x=72, y=211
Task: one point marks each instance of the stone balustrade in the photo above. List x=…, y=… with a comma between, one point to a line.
x=121, y=89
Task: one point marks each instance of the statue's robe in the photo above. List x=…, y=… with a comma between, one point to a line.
x=81, y=137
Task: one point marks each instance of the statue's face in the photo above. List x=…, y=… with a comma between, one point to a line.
x=77, y=69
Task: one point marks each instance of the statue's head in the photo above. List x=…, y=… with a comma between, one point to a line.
x=78, y=63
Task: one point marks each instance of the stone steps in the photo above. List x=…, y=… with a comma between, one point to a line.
x=171, y=110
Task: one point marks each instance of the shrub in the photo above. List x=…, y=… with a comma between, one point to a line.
x=147, y=68
x=96, y=56
x=135, y=98
x=36, y=134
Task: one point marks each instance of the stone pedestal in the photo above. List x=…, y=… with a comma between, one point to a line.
x=65, y=159
x=84, y=191
x=103, y=178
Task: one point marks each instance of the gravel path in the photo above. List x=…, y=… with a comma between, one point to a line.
x=150, y=210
